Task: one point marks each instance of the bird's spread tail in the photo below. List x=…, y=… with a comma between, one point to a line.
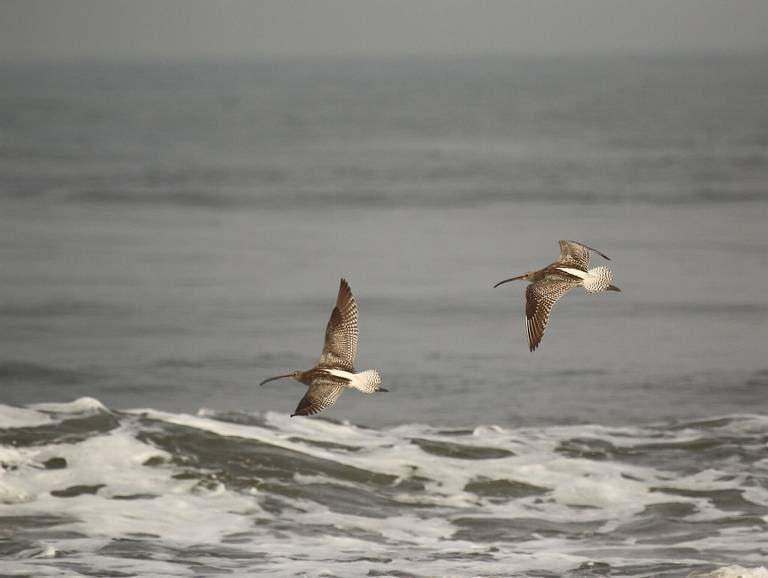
x=598, y=279
x=367, y=381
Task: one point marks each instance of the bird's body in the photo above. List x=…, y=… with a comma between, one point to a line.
x=547, y=285
x=335, y=370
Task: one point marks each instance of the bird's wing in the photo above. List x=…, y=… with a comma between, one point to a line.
x=539, y=299
x=340, y=345
x=318, y=397
x=575, y=254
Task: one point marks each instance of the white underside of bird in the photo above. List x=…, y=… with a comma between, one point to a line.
x=367, y=381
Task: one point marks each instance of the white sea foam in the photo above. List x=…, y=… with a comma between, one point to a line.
x=115, y=461
x=604, y=495
x=12, y=494
x=607, y=490
x=80, y=405
x=15, y=417
x=732, y=572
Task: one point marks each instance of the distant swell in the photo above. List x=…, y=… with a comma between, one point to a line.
x=12, y=372
x=472, y=197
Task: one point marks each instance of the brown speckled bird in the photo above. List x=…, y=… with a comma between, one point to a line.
x=335, y=371
x=553, y=281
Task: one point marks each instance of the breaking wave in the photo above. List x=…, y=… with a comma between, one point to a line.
x=86, y=490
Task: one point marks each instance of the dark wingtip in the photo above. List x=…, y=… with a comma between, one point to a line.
x=382, y=389
x=603, y=255
x=345, y=291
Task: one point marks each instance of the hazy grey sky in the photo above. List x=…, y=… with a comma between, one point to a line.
x=243, y=29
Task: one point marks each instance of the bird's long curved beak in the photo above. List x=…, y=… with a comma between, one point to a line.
x=612, y=288
x=507, y=280
x=276, y=377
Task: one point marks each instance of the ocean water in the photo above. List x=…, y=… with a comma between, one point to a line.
x=172, y=234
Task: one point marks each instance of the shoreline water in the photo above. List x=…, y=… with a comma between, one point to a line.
x=151, y=492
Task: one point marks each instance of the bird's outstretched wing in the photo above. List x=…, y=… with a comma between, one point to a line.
x=539, y=299
x=318, y=397
x=576, y=255
x=340, y=345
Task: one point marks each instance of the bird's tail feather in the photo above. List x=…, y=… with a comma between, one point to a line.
x=598, y=279
x=367, y=381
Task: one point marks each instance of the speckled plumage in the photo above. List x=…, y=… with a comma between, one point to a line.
x=597, y=279
x=549, y=284
x=335, y=371
x=540, y=297
x=320, y=395
x=340, y=345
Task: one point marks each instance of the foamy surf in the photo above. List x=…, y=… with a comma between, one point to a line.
x=732, y=572
x=86, y=490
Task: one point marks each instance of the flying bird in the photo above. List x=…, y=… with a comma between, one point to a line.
x=335, y=370
x=547, y=285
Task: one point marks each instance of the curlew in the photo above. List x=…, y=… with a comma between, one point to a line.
x=553, y=281
x=335, y=371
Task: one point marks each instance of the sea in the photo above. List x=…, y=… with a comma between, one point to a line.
x=172, y=233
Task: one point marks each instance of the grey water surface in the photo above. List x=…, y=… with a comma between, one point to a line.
x=170, y=235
